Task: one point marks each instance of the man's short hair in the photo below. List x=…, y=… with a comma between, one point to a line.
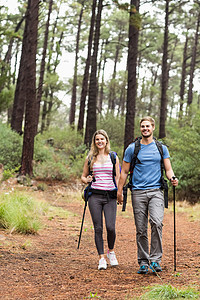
x=150, y=119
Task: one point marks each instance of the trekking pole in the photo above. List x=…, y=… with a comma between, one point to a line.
x=86, y=200
x=174, y=227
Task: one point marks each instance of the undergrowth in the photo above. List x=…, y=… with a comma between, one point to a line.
x=163, y=292
x=20, y=213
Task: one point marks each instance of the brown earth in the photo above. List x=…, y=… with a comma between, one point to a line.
x=48, y=265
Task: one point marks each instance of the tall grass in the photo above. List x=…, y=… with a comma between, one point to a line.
x=163, y=292
x=20, y=213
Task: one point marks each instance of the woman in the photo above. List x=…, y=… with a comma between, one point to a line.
x=104, y=193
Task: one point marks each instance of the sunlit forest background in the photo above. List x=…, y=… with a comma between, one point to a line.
x=71, y=67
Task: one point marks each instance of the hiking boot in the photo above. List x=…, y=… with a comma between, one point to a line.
x=102, y=264
x=143, y=269
x=112, y=258
x=155, y=267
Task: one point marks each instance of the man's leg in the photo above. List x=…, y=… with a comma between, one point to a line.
x=156, y=214
x=140, y=209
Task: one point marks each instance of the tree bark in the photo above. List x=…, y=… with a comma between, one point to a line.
x=8, y=54
x=20, y=93
x=132, y=76
x=73, y=99
x=86, y=73
x=165, y=76
x=193, y=63
x=42, y=67
x=92, y=99
x=30, y=50
x=112, y=94
x=183, y=77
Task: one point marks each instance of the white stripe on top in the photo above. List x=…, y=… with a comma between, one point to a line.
x=103, y=174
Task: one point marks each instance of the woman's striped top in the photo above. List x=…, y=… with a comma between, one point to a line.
x=103, y=174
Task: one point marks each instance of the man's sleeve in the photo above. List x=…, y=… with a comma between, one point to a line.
x=129, y=153
x=165, y=152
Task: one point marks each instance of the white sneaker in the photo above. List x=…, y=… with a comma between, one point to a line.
x=102, y=264
x=112, y=258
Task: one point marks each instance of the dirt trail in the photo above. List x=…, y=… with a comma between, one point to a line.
x=49, y=266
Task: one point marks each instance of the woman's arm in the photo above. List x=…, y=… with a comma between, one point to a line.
x=122, y=181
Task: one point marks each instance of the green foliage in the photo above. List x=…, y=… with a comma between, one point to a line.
x=10, y=148
x=62, y=137
x=6, y=95
x=19, y=213
x=49, y=170
x=9, y=173
x=59, y=154
x=114, y=126
x=184, y=149
x=169, y=292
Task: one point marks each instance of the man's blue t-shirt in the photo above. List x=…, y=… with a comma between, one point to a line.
x=147, y=173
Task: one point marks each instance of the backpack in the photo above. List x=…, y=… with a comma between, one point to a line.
x=135, y=160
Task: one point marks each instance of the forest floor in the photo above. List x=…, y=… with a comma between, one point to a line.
x=48, y=265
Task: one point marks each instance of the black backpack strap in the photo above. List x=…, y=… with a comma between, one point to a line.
x=134, y=160
x=160, y=149
x=89, y=163
x=164, y=185
x=113, y=159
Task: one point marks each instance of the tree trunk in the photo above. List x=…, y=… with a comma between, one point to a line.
x=92, y=99
x=44, y=113
x=20, y=91
x=100, y=99
x=165, y=76
x=86, y=73
x=73, y=99
x=154, y=77
x=42, y=67
x=183, y=77
x=8, y=55
x=132, y=69
x=112, y=94
x=30, y=50
x=193, y=63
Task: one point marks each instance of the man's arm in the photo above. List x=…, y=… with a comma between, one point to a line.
x=122, y=181
x=169, y=172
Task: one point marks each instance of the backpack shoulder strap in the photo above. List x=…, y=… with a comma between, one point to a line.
x=135, y=154
x=89, y=163
x=160, y=149
x=113, y=159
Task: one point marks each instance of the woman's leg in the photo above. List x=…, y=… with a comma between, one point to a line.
x=110, y=210
x=95, y=207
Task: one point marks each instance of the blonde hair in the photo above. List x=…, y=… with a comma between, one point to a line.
x=94, y=150
x=150, y=119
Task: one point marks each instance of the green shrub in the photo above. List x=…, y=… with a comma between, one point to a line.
x=10, y=148
x=9, y=173
x=19, y=213
x=62, y=137
x=51, y=171
x=42, y=151
x=59, y=153
x=184, y=150
x=114, y=126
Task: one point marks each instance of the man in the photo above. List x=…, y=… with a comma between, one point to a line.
x=147, y=197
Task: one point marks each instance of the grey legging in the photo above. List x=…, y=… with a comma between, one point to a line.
x=97, y=205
